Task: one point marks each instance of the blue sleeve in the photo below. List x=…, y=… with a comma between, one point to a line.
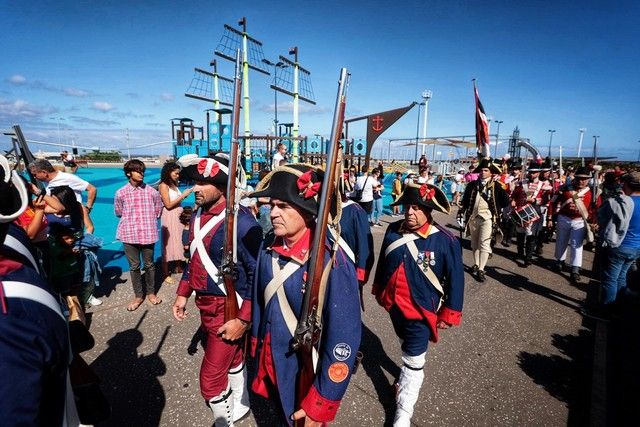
x=365, y=260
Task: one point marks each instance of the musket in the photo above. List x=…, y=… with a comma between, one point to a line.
x=25, y=153
x=230, y=254
x=309, y=328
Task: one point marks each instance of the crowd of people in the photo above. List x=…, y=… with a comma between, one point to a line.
x=48, y=263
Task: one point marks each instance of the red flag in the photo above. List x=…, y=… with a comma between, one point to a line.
x=482, y=126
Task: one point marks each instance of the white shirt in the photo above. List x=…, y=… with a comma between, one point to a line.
x=366, y=184
x=78, y=185
x=276, y=160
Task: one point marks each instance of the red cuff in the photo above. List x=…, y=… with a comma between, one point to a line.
x=362, y=274
x=318, y=408
x=450, y=316
x=245, y=311
x=253, y=346
x=184, y=289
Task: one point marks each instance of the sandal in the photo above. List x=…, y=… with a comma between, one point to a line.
x=153, y=300
x=133, y=306
x=170, y=280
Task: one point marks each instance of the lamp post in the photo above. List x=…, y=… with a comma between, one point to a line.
x=418, y=130
x=495, y=151
x=595, y=149
x=58, y=123
x=551, y=132
x=275, y=66
x=426, y=95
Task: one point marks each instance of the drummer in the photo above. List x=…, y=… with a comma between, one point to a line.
x=527, y=199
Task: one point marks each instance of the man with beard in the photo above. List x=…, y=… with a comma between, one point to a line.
x=575, y=213
x=222, y=375
x=281, y=277
x=420, y=282
x=482, y=203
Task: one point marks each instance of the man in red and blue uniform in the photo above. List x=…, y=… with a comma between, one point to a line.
x=222, y=375
x=34, y=344
x=294, y=192
x=420, y=281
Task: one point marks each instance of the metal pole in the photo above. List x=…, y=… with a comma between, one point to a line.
x=417, y=132
x=389, y=156
x=426, y=95
x=595, y=149
x=495, y=151
x=551, y=131
x=580, y=140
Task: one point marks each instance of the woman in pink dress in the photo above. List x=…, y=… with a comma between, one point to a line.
x=172, y=249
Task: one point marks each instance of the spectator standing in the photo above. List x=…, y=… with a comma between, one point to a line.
x=44, y=171
x=377, y=200
x=471, y=176
x=138, y=206
x=619, y=221
x=459, y=180
x=396, y=191
x=422, y=163
x=171, y=227
x=424, y=176
x=279, y=156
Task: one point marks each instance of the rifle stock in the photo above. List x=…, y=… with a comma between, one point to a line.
x=229, y=259
x=309, y=326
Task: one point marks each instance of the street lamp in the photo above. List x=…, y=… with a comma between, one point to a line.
x=595, y=148
x=426, y=95
x=495, y=152
x=58, y=121
x=275, y=66
x=551, y=132
x=418, y=130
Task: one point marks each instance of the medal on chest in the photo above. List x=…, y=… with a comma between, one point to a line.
x=426, y=259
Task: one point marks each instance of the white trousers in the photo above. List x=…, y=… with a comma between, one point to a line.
x=570, y=233
x=480, y=233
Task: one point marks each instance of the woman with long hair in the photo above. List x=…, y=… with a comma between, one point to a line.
x=172, y=248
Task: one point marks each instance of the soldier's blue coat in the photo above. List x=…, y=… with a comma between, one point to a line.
x=448, y=267
x=34, y=351
x=341, y=330
x=356, y=232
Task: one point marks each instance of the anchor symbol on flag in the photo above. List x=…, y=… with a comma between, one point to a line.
x=377, y=123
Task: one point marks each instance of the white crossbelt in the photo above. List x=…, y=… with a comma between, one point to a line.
x=197, y=246
x=408, y=240
x=345, y=247
x=17, y=246
x=276, y=287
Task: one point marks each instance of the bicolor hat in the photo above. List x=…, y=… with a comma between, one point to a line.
x=426, y=195
x=13, y=193
x=297, y=183
x=515, y=164
x=632, y=179
x=582, y=172
x=535, y=165
x=488, y=163
x=546, y=165
x=212, y=170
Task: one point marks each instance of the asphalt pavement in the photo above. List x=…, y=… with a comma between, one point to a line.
x=521, y=356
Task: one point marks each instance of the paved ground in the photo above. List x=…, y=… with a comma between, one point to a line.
x=522, y=356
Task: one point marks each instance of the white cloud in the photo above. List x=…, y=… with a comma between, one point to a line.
x=79, y=93
x=166, y=96
x=19, y=110
x=17, y=79
x=102, y=106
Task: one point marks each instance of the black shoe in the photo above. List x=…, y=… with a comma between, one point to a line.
x=558, y=266
x=575, y=278
x=527, y=261
x=505, y=243
x=539, y=251
x=474, y=270
x=481, y=276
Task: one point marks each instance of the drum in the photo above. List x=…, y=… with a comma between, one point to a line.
x=524, y=215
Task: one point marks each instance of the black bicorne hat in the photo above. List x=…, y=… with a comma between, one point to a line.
x=298, y=183
x=582, y=172
x=212, y=170
x=488, y=163
x=426, y=195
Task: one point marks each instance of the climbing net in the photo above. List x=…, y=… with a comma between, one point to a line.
x=231, y=41
x=283, y=81
x=201, y=87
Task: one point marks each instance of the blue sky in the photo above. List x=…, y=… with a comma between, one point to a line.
x=98, y=68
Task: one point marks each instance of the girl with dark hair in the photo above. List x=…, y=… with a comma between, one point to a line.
x=172, y=248
x=71, y=215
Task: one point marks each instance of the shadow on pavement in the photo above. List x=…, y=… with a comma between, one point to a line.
x=130, y=381
x=109, y=279
x=519, y=282
x=566, y=377
x=374, y=362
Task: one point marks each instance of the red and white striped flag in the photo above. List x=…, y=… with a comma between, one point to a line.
x=482, y=126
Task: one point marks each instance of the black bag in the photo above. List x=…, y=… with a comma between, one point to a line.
x=356, y=196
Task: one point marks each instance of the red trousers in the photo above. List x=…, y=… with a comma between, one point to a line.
x=219, y=355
